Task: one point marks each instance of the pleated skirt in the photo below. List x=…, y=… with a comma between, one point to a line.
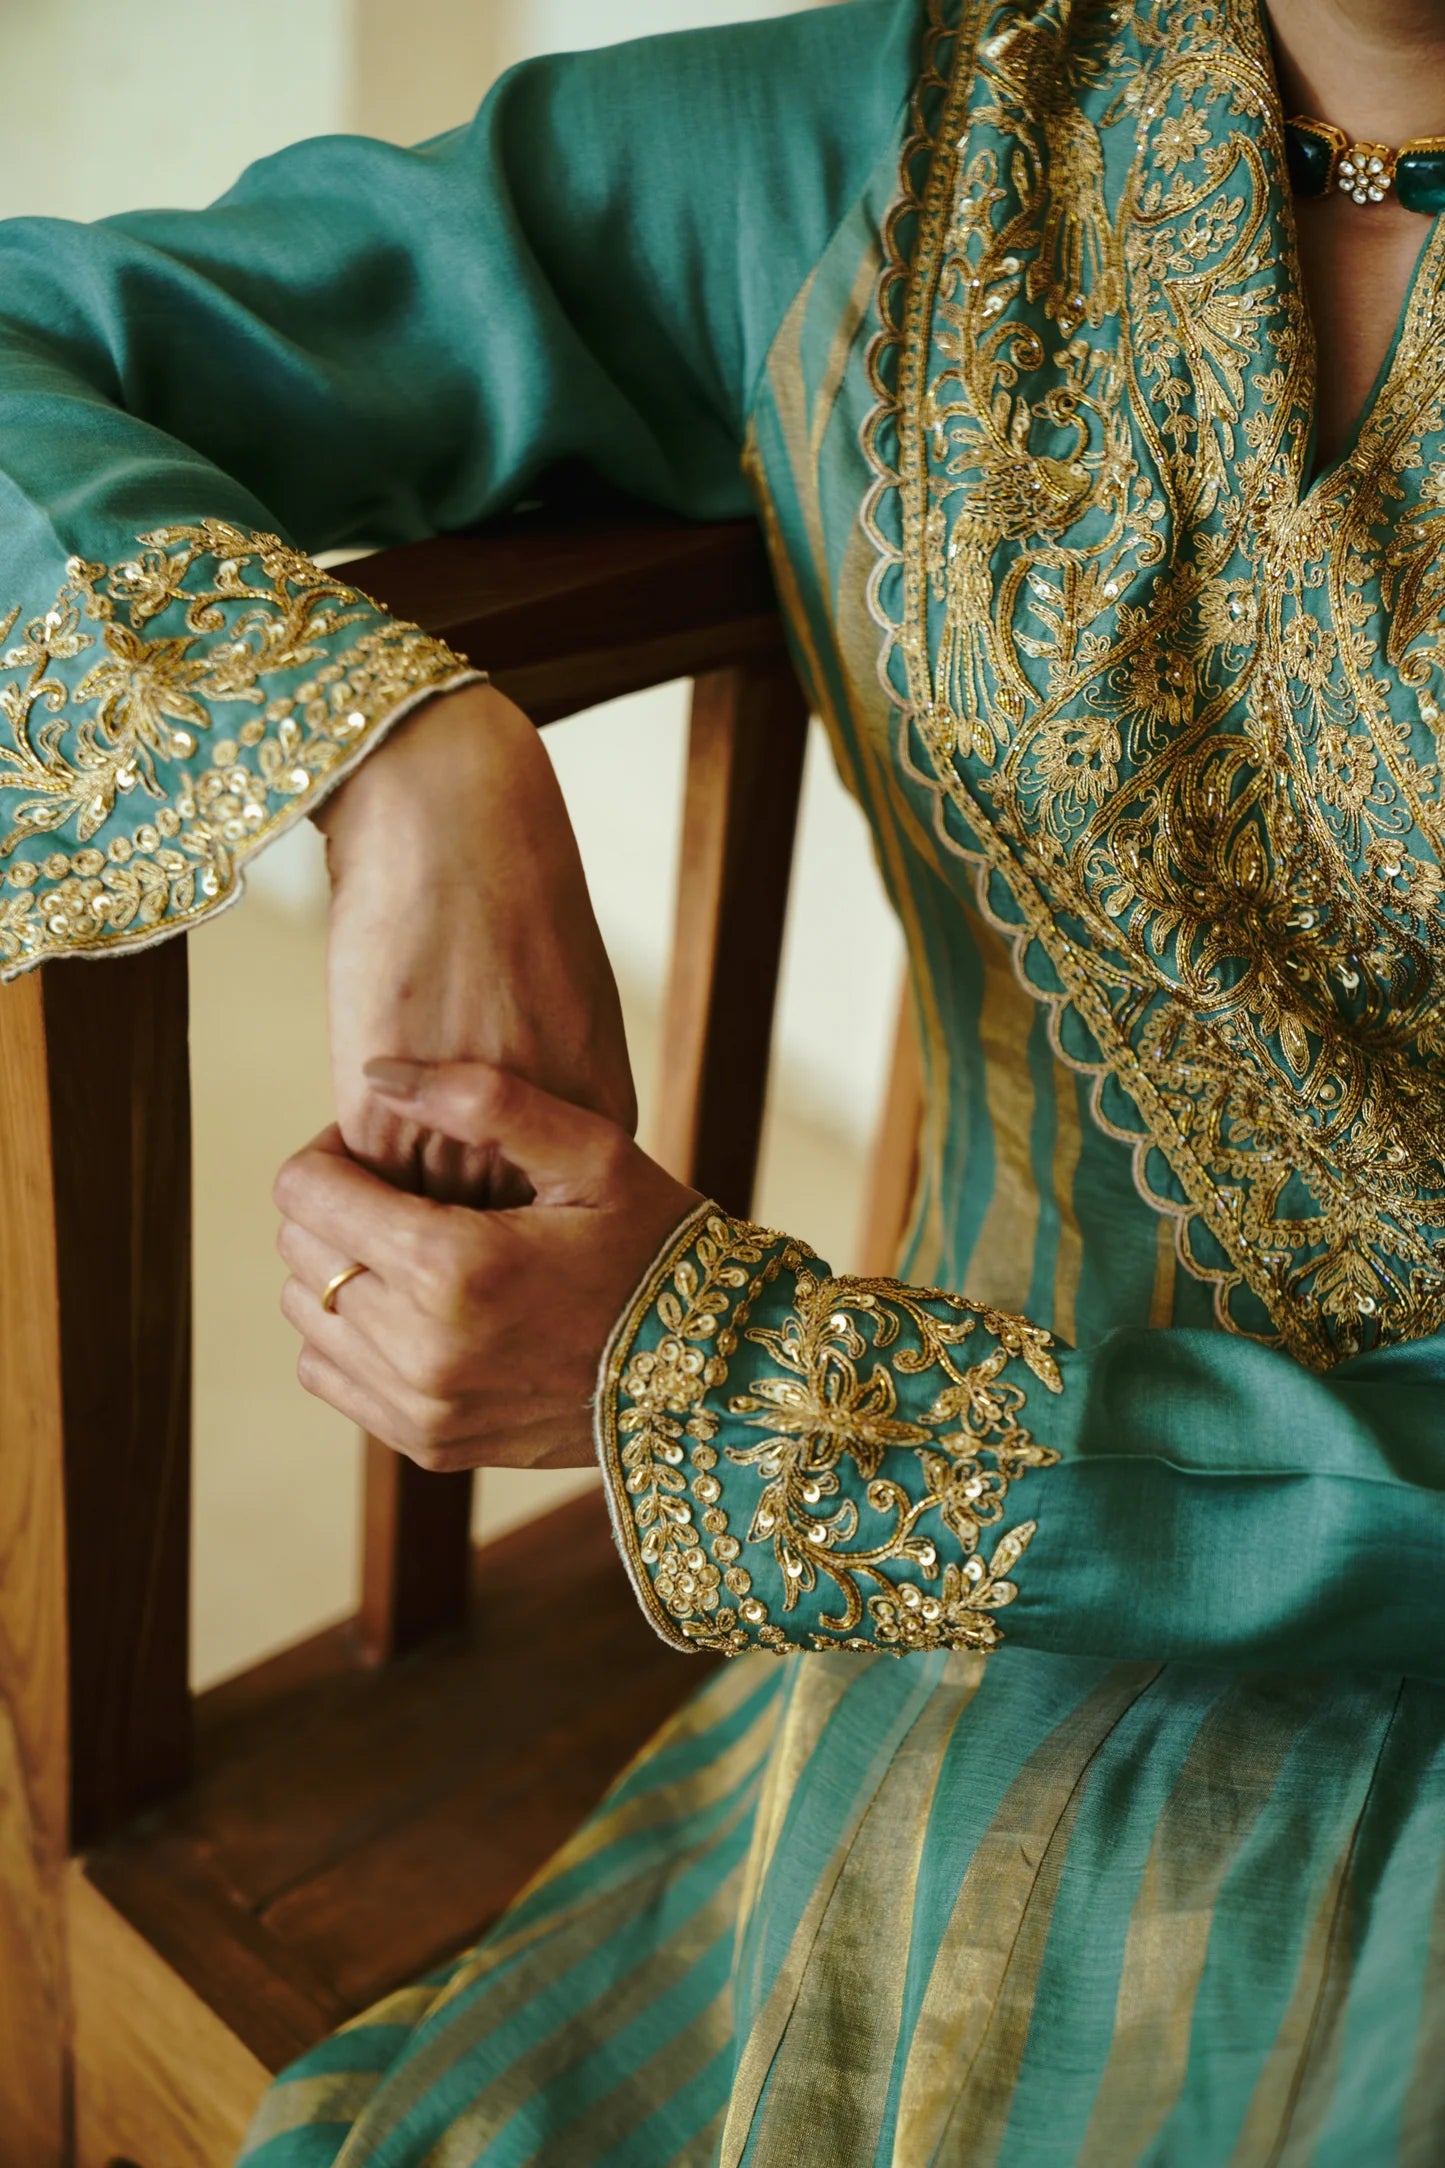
x=872, y=1913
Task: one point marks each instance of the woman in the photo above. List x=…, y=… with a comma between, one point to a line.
x=1120, y=592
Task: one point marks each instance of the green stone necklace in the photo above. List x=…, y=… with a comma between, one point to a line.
x=1322, y=157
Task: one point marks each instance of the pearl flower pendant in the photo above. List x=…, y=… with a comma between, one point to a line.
x=1366, y=172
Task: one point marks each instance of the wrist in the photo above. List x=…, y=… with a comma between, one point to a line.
x=436, y=777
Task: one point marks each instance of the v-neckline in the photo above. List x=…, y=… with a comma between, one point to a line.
x=1428, y=265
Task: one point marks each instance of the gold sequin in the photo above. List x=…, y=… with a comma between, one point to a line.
x=1179, y=709
x=178, y=632
x=668, y=1423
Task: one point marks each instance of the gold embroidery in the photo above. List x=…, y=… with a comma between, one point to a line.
x=146, y=703
x=1147, y=673
x=970, y=1445
x=659, y=1426
x=651, y=1400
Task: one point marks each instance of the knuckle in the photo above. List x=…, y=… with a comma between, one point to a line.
x=428, y=1452
x=285, y=1189
x=436, y=1366
x=457, y=1272
x=495, y=1093
x=425, y=1259
x=308, y=1370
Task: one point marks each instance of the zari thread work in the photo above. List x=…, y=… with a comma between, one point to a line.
x=825, y=1392
x=1136, y=659
x=181, y=631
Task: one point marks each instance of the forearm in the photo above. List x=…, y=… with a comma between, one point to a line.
x=461, y=928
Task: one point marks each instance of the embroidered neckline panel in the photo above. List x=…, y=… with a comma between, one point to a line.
x=1180, y=713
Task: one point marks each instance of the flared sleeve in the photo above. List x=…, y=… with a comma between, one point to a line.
x=799, y=1461
x=365, y=345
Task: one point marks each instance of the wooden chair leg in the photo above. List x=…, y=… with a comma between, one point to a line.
x=748, y=738
x=893, y=1175
x=161, y=2082
x=94, y=1466
x=416, y=1553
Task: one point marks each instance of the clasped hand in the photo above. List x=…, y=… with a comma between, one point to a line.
x=474, y=1336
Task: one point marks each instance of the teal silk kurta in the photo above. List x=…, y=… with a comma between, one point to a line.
x=1136, y=1852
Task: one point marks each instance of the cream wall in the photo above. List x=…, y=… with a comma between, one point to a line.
x=168, y=108
x=109, y=107
x=158, y=117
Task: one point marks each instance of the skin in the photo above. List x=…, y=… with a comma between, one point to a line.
x=1376, y=68
x=474, y=1337
x=477, y=1041
x=461, y=927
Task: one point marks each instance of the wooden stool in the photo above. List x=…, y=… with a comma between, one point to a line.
x=194, y=1891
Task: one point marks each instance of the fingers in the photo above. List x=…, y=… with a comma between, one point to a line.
x=325, y=1380
x=341, y=1365
x=569, y=1155
x=371, y=1411
x=316, y=1264
x=357, y=1215
x=371, y=1329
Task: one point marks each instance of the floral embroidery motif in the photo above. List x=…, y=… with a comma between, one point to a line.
x=970, y=1446
x=667, y=1423
x=201, y=617
x=655, y=1399
x=1182, y=710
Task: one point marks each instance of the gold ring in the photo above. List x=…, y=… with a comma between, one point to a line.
x=335, y=1284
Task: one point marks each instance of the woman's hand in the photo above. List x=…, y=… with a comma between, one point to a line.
x=473, y=1337
x=461, y=929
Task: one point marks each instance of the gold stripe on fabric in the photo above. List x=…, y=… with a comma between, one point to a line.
x=297, y=2103
x=1000, y=1270
x=406, y=2006
x=804, y=440
x=609, y=2119
x=974, y=2141
x=692, y=1794
x=608, y=2123
x=701, y=2151
x=903, y=845
x=765, y=2034
x=1319, y=2070
x=702, y=1789
x=1319, y=2067
x=828, y=2087
x=850, y=323
x=699, y=1789
x=660, y=1968
x=994, y=1896
x=1263, y=2130
x=814, y=1691
x=1161, y=1301
x=804, y=433
x=1225, y=1784
x=1069, y=1258
x=875, y=801
x=1422, y=2122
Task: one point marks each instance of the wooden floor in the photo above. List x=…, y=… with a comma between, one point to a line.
x=349, y=1828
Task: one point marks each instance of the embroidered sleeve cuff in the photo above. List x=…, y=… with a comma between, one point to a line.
x=798, y=1461
x=168, y=716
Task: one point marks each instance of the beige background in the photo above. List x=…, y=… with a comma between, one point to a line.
x=168, y=107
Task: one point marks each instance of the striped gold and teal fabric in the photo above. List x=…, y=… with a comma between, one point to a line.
x=1066, y=1904
x=953, y=1909
x=991, y=309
